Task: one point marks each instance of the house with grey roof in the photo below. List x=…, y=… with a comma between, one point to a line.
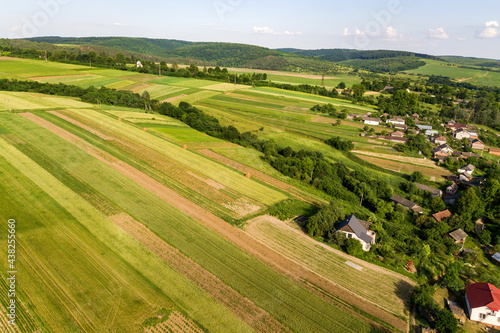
x=407, y=204
x=358, y=229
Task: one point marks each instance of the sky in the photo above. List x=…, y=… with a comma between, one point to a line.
x=459, y=27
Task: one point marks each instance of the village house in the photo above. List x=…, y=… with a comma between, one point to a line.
x=371, y=121
x=461, y=134
x=495, y=151
x=452, y=189
x=415, y=116
x=440, y=216
x=358, y=229
x=458, y=236
x=396, y=121
x=397, y=134
x=496, y=258
x=483, y=303
x=466, y=155
x=439, y=140
x=425, y=127
x=433, y=191
x=454, y=126
x=400, y=127
x=407, y=204
x=431, y=132
x=139, y=64
x=441, y=150
x=465, y=177
x=450, y=199
x=477, y=144
x=468, y=169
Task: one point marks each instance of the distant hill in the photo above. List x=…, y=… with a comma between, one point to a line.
x=466, y=61
x=376, y=60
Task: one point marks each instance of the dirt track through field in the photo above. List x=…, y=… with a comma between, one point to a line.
x=322, y=287
x=212, y=285
x=259, y=175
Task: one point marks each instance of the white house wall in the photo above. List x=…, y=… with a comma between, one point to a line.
x=492, y=320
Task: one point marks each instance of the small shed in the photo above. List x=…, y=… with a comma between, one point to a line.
x=440, y=216
x=433, y=191
x=407, y=204
x=458, y=236
x=496, y=258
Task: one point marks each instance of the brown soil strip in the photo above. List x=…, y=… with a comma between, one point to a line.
x=212, y=285
x=210, y=182
x=171, y=99
x=260, y=176
x=300, y=275
x=59, y=76
x=83, y=126
x=138, y=87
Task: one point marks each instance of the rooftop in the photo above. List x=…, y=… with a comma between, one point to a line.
x=483, y=294
x=442, y=215
x=458, y=235
x=358, y=227
x=428, y=188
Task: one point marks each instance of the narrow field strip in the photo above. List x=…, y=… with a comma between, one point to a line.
x=212, y=285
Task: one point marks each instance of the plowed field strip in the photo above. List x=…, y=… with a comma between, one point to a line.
x=241, y=239
x=212, y=285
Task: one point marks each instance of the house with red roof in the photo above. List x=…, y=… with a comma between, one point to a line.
x=483, y=303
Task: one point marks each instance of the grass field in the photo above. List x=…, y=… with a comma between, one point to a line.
x=72, y=274
x=301, y=310
x=373, y=284
x=15, y=101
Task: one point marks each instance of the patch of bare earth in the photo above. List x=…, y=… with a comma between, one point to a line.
x=83, y=126
x=242, y=207
x=171, y=99
x=58, y=76
x=212, y=285
x=175, y=323
x=297, y=273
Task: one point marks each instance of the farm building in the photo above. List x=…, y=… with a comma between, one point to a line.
x=461, y=133
x=425, y=127
x=458, y=236
x=397, y=134
x=496, y=258
x=371, y=121
x=477, y=144
x=495, y=151
x=139, y=64
x=455, y=126
x=442, y=149
x=483, y=303
x=407, y=204
x=433, y=191
x=431, y=132
x=468, y=169
x=358, y=229
x=396, y=120
x=440, y=216
x=452, y=189
x=439, y=140
x=465, y=177
x=399, y=127
x=466, y=155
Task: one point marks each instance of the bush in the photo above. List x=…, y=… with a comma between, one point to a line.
x=354, y=247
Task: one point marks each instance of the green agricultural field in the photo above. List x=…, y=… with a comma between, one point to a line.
x=24, y=69
x=289, y=303
x=71, y=253
x=160, y=91
x=184, y=135
x=27, y=101
x=434, y=67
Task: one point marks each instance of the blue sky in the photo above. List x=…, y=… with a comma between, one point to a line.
x=435, y=27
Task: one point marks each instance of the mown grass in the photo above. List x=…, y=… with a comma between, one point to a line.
x=289, y=303
x=215, y=171
x=28, y=101
x=72, y=267
x=24, y=68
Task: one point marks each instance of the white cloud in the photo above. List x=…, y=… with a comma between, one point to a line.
x=117, y=24
x=356, y=32
x=391, y=34
x=15, y=28
x=461, y=38
x=490, y=30
x=438, y=33
x=269, y=31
